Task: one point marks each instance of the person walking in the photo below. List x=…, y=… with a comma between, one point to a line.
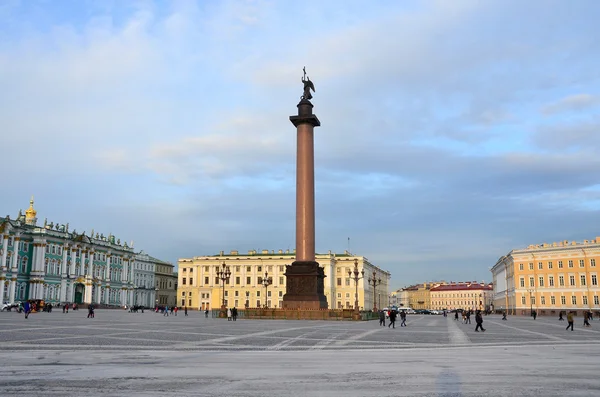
x=586, y=322
x=176, y=309
x=90, y=311
x=456, y=315
x=393, y=314
x=560, y=316
x=569, y=321
x=206, y=313
x=185, y=310
x=468, y=320
x=27, y=309
x=228, y=314
x=234, y=313
x=403, y=318
x=534, y=314
x=479, y=321
x=504, y=315
x=381, y=318
x=166, y=313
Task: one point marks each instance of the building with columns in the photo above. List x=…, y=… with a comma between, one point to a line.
x=548, y=278
x=55, y=264
x=166, y=283
x=463, y=295
x=145, y=290
x=199, y=286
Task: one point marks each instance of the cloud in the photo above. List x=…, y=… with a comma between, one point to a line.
x=570, y=103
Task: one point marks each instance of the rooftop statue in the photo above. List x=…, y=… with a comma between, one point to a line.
x=308, y=85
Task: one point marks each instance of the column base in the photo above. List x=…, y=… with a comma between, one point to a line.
x=304, y=286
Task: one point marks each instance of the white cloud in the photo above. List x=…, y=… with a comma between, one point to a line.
x=575, y=102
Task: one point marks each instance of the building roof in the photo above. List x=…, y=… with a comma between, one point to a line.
x=462, y=287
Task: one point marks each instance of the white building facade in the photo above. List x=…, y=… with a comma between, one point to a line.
x=145, y=289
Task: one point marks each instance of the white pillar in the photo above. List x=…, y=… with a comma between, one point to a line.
x=41, y=290
x=87, y=297
x=63, y=290
x=14, y=270
x=73, y=263
x=3, y=267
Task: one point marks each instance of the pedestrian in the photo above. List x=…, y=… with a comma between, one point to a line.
x=172, y=309
x=479, y=321
x=504, y=315
x=403, y=318
x=67, y=307
x=176, y=309
x=27, y=309
x=166, y=313
x=90, y=311
x=393, y=314
x=570, y=321
x=206, y=313
x=560, y=316
x=468, y=321
x=586, y=323
x=534, y=314
x=381, y=318
x=456, y=315
x=228, y=314
x=185, y=310
x=234, y=313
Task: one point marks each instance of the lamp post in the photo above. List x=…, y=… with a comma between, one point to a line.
x=266, y=282
x=374, y=281
x=354, y=276
x=531, y=301
x=223, y=274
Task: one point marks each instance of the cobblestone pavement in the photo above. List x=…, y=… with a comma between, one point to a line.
x=120, y=353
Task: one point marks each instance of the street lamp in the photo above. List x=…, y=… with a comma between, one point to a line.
x=266, y=282
x=354, y=276
x=374, y=281
x=223, y=274
x=531, y=301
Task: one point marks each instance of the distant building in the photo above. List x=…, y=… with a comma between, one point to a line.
x=200, y=287
x=464, y=295
x=144, y=270
x=549, y=278
x=166, y=284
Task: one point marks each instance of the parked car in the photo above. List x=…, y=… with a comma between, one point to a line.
x=12, y=306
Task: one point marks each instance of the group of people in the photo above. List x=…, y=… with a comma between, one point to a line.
x=232, y=314
x=587, y=316
x=392, y=314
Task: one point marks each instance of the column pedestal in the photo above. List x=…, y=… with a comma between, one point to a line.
x=304, y=288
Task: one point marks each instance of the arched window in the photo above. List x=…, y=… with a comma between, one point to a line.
x=46, y=266
x=23, y=264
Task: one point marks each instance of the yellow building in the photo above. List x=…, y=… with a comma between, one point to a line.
x=200, y=287
x=467, y=295
x=548, y=278
x=419, y=296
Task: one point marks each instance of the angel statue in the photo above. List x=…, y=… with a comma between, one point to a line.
x=308, y=85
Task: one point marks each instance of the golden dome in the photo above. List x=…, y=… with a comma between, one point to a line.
x=30, y=213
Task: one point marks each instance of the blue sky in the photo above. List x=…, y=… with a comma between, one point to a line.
x=452, y=131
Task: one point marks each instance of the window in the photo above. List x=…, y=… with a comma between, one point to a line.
x=184, y=281
x=563, y=300
x=347, y=295
x=280, y=294
x=236, y=293
x=570, y=263
x=532, y=300
x=561, y=281
x=541, y=280
x=237, y=269
x=190, y=303
x=531, y=266
x=596, y=301
x=552, y=300
x=248, y=280
x=585, y=300
x=339, y=281
x=205, y=280
x=582, y=279
x=549, y=265
x=281, y=268
x=226, y=293
x=551, y=281
x=347, y=282
x=523, y=300
x=258, y=294
x=560, y=265
x=571, y=280
x=531, y=282
x=237, y=280
x=543, y=300
x=216, y=279
x=574, y=300
x=581, y=263
x=191, y=281
x=259, y=269
x=522, y=281
x=594, y=280
x=191, y=270
x=592, y=262
x=248, y=268
x=520, y=266
x=281, y=281
x=540, y=266
x=206, y=269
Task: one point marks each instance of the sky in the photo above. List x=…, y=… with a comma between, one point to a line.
x=451, y=131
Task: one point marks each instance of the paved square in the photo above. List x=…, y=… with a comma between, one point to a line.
x=120, y=353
